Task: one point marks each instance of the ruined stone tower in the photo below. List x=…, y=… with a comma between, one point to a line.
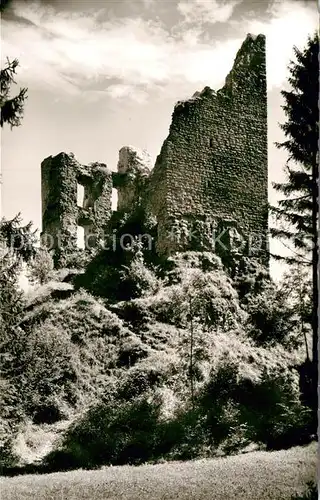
x=210, y=178
x=131, y=178
x=61, y=216
x=212, y=169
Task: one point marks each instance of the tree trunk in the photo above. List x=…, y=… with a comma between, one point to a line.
x=302, y=306
x=315, y=259
x=315, y=287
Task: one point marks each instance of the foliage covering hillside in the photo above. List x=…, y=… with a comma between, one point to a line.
x=176, y=360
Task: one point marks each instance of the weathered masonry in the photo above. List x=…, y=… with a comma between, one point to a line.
x=61, y=177
x=210, y=178
x=212, y=170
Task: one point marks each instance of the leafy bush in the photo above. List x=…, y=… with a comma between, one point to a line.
x=310, y=494
x=41, y=267
x=177, y=264
x=275, y=414
x=137, y=279
x=205, y=295
x=271, y=319
x=120, y=274
x=78, y=259
x=101, y=276
x=184, y=437
x=250, y=278
x=154, y=370
x=117, y=432
x=268, y=409
x=41, y=367
x=135, y=312
x=131, y=350
x=62, y=361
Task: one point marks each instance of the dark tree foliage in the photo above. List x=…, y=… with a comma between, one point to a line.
x=17, y=238
x=11, y=107
x=17, y=245
x=302, y=134
x=4, y=4
x=298, y=209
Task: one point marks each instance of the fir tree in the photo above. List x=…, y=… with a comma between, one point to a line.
x=11, y=107
x=298, y=210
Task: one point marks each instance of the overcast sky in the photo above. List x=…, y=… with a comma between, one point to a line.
x=104, y=74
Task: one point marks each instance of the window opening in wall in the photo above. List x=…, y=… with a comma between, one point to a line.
x=211, y=142
x=80, y=195
x=80, y=237
x=114, y=199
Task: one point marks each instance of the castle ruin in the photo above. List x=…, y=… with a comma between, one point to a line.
x=210, y=176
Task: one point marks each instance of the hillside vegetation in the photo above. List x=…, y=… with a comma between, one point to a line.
x=129, y=359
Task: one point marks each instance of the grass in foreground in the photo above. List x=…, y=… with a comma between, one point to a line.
x=257, y=475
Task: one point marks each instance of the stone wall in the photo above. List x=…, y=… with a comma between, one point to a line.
x=208, y=186
x=61, y=215
x=134, y=167
x=212, y=169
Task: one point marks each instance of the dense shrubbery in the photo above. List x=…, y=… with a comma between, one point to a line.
x=268, y=408
x=174, y=361
x=61, y=362
x=41, y=267
x=79, y=259
x=271, y=319
x=116, y=432
x=119, y=275
x=310, y=494
x=16, y=248
x=188, y=291
x=43, y=372
x=137, y=279
x=229, y=412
